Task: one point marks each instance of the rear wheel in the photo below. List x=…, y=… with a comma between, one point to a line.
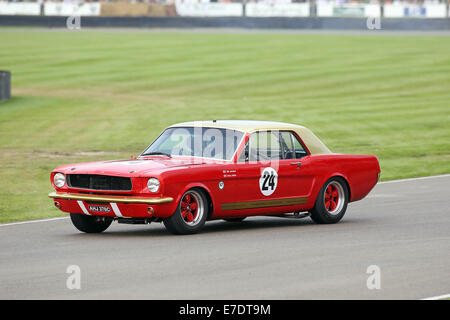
x=190, y=215
x=331, y=203
x=90, y=224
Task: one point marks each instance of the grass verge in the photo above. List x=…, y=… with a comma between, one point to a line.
x=86, y=96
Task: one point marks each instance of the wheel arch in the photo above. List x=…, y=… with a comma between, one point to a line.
x=328, y=177
x=345, y=179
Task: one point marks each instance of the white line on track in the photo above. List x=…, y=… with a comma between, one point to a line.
x=32, y=221
x=414, y=179
x=444, y=296
x=383, y=182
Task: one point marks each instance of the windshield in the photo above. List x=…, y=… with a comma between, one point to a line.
x=203, y=142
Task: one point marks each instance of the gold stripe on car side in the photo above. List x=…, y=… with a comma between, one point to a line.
x=264, y=203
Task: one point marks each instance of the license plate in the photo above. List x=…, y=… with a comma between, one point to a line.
x=99, y=208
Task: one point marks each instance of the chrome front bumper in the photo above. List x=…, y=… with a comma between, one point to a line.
x=115, y=199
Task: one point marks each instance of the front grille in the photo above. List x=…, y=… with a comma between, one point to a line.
x=104, y=193
x=99, y=182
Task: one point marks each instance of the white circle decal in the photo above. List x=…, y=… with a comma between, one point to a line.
x=268, y=181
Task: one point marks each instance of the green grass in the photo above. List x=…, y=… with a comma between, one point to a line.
x=78, y=92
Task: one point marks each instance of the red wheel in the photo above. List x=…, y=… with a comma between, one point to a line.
x=190, y=215
x=334, y=197
x=191, y=207
x=331, y=203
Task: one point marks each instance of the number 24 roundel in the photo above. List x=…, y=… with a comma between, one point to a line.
x=268, y=181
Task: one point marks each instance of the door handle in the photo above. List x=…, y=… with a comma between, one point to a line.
x=297, y=164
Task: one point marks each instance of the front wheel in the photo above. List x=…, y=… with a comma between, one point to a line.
x=190, y=215
x=331, y=203
x=90, y=224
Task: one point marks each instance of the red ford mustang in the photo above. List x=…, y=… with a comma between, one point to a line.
x=198, y=171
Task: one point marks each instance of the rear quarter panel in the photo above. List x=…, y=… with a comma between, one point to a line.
x=360, y=171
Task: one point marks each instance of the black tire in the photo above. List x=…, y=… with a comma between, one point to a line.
x=235, y=219
x=179, y=224
x=90, y=224
x=323, y=215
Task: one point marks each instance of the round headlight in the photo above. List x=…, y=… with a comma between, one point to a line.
x=59, y=180
x=153, y=184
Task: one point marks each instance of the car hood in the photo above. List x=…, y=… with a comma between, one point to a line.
x=128, y=168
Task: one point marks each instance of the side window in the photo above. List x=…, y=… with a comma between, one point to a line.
x=244, y=156
x=291, y=147
x=287, y=145
x=272, y=145
x=264, y=145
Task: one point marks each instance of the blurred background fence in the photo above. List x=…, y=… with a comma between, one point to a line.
x=231, y=8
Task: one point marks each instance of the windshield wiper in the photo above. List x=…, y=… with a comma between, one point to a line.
x=156, y=153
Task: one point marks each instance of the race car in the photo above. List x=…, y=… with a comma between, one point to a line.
x=219, y=169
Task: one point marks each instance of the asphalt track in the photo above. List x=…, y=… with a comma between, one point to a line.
x=403, y=227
